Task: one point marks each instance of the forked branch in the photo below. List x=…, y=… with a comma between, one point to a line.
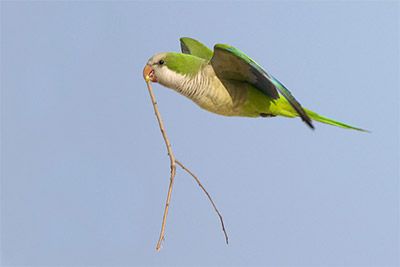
x=173, y=162
x=208, y=195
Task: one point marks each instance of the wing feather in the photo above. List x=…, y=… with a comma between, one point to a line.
x=195, y=48
x=232, y=64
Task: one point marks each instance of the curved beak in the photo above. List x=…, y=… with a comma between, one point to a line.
x=148, y=74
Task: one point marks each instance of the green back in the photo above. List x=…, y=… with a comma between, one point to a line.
x=184, y=64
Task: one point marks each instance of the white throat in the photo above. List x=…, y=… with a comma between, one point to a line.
x=172, y=79
x=204, y=88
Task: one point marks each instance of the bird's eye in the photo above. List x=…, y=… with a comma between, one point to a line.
x=161, y=62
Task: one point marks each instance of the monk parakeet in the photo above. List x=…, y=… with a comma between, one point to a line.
x=227, y=82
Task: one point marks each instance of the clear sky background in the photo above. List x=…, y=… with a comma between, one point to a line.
x=84, y=171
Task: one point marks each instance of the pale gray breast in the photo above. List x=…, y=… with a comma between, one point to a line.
x=222, y=97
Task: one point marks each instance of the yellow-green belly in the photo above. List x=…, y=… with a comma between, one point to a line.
x=231, y=98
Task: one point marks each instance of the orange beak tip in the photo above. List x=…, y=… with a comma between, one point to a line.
x=148, y=74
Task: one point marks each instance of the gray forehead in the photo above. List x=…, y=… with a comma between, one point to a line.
x=156, y=58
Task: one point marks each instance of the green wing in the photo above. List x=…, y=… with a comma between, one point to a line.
x=232, y=64
x=195, y=48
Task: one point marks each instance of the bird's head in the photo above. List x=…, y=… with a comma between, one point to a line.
x=171, y=69
x=155, y=67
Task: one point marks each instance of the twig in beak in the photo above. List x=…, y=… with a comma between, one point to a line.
x=173, y=163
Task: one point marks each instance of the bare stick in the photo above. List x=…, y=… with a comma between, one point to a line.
x=173, y=163
x=208, y=195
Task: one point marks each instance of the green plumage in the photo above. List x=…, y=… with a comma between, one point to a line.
x=228, y=82
x=183, y=64
x=195, y=48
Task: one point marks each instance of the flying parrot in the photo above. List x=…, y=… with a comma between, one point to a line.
x=227, y=82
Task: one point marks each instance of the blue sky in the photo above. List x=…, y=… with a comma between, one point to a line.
x=84, y=171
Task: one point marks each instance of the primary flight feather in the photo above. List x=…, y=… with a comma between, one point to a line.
x=227, y=82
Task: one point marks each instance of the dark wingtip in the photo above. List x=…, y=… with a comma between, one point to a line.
x=308, y=121
x=302, y=113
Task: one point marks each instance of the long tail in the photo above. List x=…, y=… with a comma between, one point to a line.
x=283, y=108
x=326, y=120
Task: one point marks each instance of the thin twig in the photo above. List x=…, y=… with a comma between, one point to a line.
x=208, y=195
x=173, y=163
